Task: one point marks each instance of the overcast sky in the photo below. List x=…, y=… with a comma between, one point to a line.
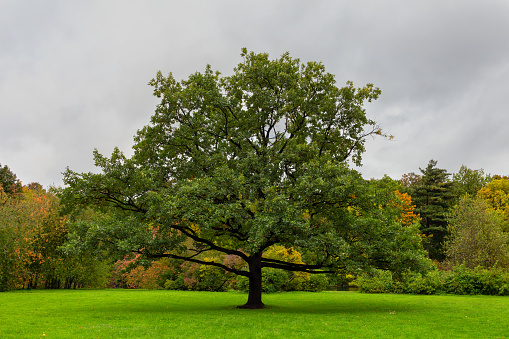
x=74, y=74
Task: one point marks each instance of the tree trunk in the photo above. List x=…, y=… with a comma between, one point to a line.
x=254, y=299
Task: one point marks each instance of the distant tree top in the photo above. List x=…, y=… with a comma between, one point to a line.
x=8, y=181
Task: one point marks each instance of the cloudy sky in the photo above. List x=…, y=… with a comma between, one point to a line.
x=73, y=74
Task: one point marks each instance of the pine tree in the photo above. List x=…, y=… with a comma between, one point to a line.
x=433, y=196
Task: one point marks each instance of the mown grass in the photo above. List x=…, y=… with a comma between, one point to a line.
x=174, y=314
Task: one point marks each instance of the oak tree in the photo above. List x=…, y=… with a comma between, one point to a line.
x=236, y=164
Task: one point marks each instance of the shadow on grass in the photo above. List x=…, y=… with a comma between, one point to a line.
x=156, y=303
x=306, y=307
x=340, y=309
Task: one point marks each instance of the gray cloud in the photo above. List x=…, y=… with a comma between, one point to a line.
x=74, y=74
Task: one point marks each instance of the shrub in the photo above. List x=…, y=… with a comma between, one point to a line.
x=479, y=280
x=177, y=284
x=316, y=283
x=417, y=283
x=461, y=280
x=242, y=283
x=211, y=278
x=378, y=282
x=274, y=280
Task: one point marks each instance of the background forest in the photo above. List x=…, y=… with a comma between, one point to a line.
x=463, y=220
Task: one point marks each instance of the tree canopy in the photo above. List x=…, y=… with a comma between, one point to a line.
x=31, y=233
x=496, y=194
x=475, y=235
x=469, y=181
x=9, y=183
x=433, y=195
x=237, y=164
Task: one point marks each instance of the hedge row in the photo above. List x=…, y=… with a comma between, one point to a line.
x=460, y=280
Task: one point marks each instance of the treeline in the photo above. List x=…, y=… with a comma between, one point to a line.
x=464, y=224
x=463, y=219
x=32, y=231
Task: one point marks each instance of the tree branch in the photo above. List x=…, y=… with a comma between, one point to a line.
x=189, y=233
x=198, y=261
x=273, y=263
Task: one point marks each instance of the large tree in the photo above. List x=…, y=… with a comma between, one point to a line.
x=475, y=236
x=236, y=164
x=433, y=195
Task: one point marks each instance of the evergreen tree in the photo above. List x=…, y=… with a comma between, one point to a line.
x=433, y=195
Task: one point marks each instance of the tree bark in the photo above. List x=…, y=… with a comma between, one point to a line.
x=254, y=299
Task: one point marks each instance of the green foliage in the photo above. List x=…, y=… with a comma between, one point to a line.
x=433, y=195
x=378, y=282
x=274, y=280
x=9, y=183
x=461, y=280
x=9, y=261
x=316, y=283
x=31, y=233
x=172, y=274
x=277, y=281
x=417, y=283
x=476, y=237
x=469, y=181
x=236, y=164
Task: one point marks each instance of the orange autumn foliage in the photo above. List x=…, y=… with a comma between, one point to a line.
x=408, y=217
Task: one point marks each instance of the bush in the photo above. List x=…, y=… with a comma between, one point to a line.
x=316, y=283
x=274, y=280
x=242, y=283
x=417, y=283
x=211, y=278
x=377, y=282
x=177, y=284
x=461, y=280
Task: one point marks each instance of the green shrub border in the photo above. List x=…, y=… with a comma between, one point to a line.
x=460, y=280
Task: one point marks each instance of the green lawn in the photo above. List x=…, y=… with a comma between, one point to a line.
x=172, y=314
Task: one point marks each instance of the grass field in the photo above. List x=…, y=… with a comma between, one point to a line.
x=173, y=314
